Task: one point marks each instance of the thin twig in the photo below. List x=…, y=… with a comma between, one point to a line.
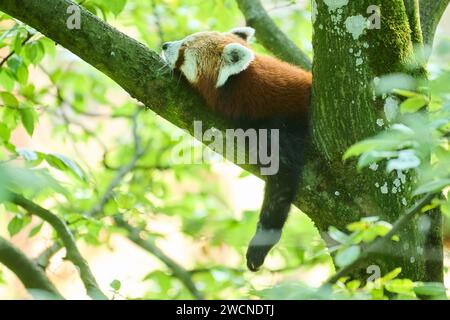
x=43, y=259
x=5, y=59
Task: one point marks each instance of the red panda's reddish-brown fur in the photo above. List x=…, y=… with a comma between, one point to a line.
x=267, y=88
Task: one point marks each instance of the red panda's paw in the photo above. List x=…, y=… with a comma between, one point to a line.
x=259, y=247
x=256, y=256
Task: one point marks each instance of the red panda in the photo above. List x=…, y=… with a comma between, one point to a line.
x=258, y=92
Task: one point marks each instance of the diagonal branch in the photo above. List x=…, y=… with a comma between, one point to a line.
x=271, y=37
x=32, y=277
x=73, y=254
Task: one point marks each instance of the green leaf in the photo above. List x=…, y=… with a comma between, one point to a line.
x=34, y=52
x=111, y=208
x=17, y=44
x=414, y=104
x=9, y=100
x=372, y=145
x=403, y=286
x=405, y=93
x=125, y=200
x=432, y=289
x=5, y=133
x=31, y=52
x=6, y=80
x=63, y=163
x=28, y=155
x=353, y=285
x=35, y=230
x=22, y=74
x=48, y=46
x=15, y=225
x=358, y=226
x=338, y=235
x=432, y=186
x=116, y=6
x=28, y=119
x=21, y=179
x=392, y=275
x=347, y=256
x=115, y=284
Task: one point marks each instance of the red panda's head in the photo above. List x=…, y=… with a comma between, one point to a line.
x=211, y=57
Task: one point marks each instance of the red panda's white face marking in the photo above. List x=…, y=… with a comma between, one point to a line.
x=211, y=57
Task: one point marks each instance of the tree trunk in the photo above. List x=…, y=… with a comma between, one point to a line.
x=348, y=58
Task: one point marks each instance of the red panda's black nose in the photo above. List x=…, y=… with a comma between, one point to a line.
x=165, y=45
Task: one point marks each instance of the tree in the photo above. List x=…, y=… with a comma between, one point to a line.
x=345, y=108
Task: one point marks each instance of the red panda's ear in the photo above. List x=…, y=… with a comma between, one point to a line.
x=245, y=33
x=235, y=59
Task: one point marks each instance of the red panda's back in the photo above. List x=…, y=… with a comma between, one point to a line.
x=267, y=88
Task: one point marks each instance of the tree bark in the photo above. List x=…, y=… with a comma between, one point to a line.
x=270, y=36
x=346, y=110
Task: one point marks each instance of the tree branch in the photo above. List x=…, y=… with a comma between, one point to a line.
x=431, y=12
x=73, y=254
x=271, y=37
x=413, y=13
x=379, y=243
x=43, y=259
x=29, y=274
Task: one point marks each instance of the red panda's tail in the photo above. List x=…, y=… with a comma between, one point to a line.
x=280, y=191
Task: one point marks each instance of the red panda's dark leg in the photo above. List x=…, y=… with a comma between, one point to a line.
x=280, y=191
